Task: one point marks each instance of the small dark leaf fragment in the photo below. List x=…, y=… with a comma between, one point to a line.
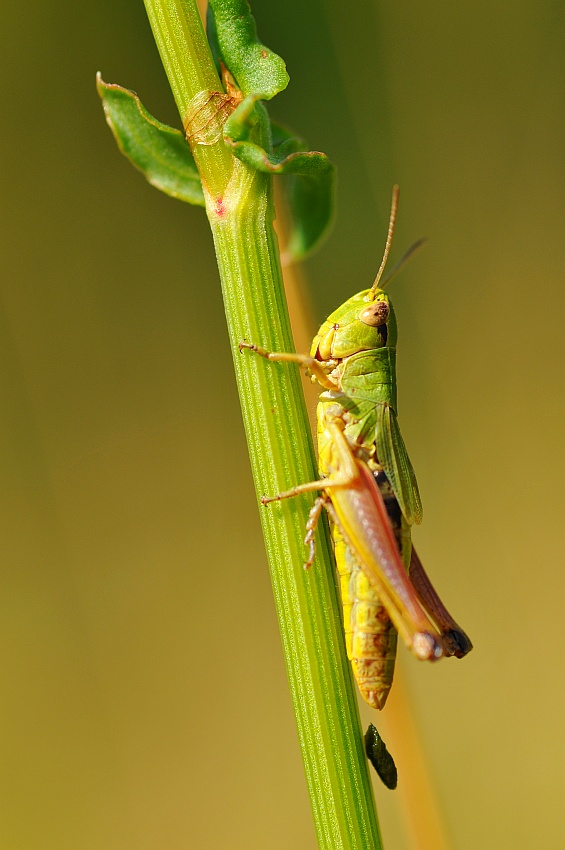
x=380, y=757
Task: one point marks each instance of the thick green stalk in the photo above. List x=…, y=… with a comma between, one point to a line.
x=280, y=446
x=186, y=58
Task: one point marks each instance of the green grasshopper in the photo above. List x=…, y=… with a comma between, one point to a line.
x=369, y=489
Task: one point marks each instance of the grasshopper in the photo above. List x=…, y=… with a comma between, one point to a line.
x=369, y=490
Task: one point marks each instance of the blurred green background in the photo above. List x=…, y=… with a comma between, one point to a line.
x=144, y=698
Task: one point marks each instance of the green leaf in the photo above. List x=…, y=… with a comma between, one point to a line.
x=159, y=151
x=310, y=198
x=212, y=36
x=310, y=183
x=256, y=69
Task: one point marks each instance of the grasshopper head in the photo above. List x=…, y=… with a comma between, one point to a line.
x=366, y=321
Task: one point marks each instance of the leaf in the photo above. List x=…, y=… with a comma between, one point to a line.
x=212, y=36
x=310, y=186
x=310, y=199
x=159, y=151
x=256, y=69
x=380, y=757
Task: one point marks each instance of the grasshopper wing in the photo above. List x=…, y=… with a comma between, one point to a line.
x=394, y=459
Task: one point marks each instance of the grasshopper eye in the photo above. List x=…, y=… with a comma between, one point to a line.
x=375, y=314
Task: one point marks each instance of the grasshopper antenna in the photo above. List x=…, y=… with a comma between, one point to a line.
x=391, y=223
x=413, y=249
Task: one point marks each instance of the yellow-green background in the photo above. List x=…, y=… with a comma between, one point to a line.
x=143, y=693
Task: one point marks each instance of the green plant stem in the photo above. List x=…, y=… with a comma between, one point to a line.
x=185, y=54
x=241, y=211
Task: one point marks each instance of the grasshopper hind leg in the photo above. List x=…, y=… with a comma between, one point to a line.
x=311, y=526
x=455, y=641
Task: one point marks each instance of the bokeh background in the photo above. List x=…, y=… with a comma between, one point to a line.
x=144, y=698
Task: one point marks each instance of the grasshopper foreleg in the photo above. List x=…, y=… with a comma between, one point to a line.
x=310, y=363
